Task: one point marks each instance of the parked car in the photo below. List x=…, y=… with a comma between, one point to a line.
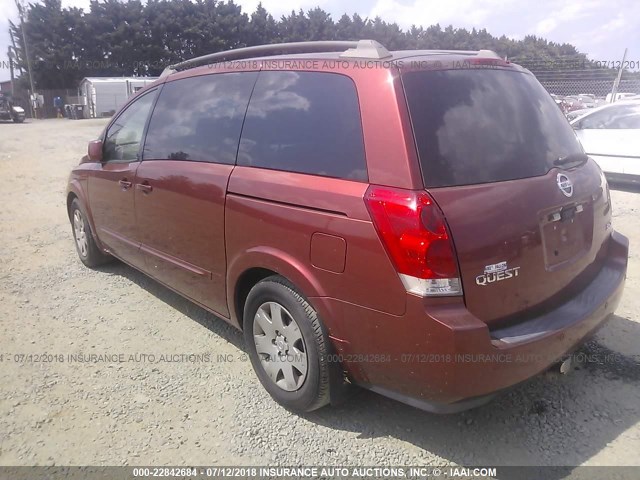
x=600, y=101
x=562, y=102
x=587, y=101
x=611, y=135
x=577, y=113
x=582, y=101
x=573, y=103
x=557, y=98
x=620, y=96
x=9, y=111
x=432, y=233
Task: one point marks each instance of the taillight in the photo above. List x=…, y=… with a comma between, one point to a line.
x=414, y=232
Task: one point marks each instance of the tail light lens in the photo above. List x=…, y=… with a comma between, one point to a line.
x=414, y=232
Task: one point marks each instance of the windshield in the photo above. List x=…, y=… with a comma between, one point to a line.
x=481, y=126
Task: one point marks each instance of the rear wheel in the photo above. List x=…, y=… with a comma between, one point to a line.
x=86, y=246
x=287, y=345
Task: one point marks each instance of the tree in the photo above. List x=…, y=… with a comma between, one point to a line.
x=53, y=45
x=263, y=28
x=142, y=38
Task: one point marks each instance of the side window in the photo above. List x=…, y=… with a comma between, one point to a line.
x=618, y=117
x=304, y=122
x=122, y=141
x=199, y=118
x=628, y=122
x=596, y=120
x=629, y=119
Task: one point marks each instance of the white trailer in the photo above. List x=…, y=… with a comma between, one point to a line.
x=103, y=96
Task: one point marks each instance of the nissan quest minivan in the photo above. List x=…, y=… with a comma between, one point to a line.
x=423, y=224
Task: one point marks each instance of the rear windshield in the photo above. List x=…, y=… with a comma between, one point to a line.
x=481, y=126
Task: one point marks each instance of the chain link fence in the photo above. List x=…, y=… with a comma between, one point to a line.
x=562, y=79
x=575, y=74
x=599, y=88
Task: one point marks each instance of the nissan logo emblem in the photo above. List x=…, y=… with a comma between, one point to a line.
x=564, y=184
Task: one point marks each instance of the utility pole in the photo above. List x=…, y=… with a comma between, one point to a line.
x=616, y=83
x=26, y=54
x=10, y=58
x=15, y=48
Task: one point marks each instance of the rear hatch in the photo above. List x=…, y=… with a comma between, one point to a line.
x=528, y=212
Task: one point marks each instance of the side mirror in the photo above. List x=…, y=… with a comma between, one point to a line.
x=94, y=152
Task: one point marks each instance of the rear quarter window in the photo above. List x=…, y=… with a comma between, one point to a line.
x=305, y=122
x=481, y=126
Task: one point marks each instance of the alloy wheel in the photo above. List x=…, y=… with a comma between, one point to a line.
x=80, y=233
x=280, y=346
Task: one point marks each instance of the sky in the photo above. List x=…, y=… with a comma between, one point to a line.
x=600, y=28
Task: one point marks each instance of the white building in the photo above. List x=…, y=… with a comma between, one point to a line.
x=103, y=96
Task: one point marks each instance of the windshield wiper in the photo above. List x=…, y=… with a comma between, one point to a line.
x=577, y=158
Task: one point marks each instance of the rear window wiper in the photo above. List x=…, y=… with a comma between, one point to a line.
x=577, y=158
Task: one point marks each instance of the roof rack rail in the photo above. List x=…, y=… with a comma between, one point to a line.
x=356, y=49
x=367, y=49
x=488, y=53
x=477, y=53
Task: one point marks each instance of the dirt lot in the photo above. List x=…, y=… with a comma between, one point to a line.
x=190, y=411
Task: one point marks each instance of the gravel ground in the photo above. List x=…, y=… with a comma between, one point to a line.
x=173, y=410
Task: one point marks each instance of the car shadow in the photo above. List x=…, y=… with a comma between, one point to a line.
x=550, y=420
x=189, y=309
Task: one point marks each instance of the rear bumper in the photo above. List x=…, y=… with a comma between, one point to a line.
x=441, y=358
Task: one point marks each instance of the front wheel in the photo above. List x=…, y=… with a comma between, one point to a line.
x=287, y=345
x=86, y=246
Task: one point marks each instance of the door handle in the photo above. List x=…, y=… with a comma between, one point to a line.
x=145, y=187
x=125, y=184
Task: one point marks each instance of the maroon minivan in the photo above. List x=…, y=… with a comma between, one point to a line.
x=424, y=224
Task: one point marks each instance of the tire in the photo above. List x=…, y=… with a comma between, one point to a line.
x=86, y=246
x=289, y=331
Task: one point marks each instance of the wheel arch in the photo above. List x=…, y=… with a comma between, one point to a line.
x=75, y=191
x=256, y=264
x=247, y=280
x=338, y=388
x=71, y=196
